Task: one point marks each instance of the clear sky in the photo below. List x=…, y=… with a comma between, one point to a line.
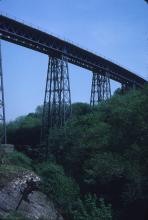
x=115, y=29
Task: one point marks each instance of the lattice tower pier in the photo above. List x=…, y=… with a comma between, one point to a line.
x=101, y=88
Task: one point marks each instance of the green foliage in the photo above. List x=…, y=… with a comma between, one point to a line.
x=17, y=159
x=103, y=168
x=14, y=216
x=25, y=130
x=56, y=184
x=80, y=109
x=104, y=150
x=92, y=208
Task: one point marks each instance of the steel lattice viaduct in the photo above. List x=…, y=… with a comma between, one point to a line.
x=57, y=101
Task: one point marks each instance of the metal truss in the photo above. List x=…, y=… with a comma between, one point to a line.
x=57, y=101
x=38, y=40
x=126, y=87
x=3, y=138
x=101, y=89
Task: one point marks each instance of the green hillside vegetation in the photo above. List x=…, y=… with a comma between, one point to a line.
x=97, y=167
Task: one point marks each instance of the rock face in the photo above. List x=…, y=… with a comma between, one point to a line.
x=39, y=206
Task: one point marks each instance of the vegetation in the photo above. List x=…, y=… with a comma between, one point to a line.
x=62, y=188
x=11, y=165
x=14, y=216
x=97, y=167
x=92, y=208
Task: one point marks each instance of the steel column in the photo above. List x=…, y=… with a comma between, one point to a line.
x=3, y=137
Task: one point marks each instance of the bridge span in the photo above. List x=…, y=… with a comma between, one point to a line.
x=57, y=101
x=24, y=35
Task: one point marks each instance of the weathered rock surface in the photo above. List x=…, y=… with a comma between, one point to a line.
x=38, y=207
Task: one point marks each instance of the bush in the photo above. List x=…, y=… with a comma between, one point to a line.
x=92, y=209
x=17, y=159
x=56, y=184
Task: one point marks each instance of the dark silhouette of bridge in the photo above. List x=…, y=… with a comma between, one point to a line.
x=57, y=101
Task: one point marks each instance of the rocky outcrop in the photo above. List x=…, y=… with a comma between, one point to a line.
x=39, y=206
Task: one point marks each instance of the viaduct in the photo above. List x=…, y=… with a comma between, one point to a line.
x=57, y=100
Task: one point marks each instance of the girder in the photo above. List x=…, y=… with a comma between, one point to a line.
x=24, y=35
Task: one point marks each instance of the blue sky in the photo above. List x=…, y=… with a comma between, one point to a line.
x=115, y=29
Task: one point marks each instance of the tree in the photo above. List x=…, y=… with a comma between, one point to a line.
x=92, y=208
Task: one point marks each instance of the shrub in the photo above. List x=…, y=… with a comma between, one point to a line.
x=56, y=184
x=92, y=209
x=17, y=159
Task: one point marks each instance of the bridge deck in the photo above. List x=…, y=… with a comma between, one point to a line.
x=24, y=35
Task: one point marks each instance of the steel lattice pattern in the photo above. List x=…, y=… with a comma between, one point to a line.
x=101, y=89
x=57, y=101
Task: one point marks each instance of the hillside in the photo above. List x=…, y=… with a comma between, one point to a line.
x=96, y=168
